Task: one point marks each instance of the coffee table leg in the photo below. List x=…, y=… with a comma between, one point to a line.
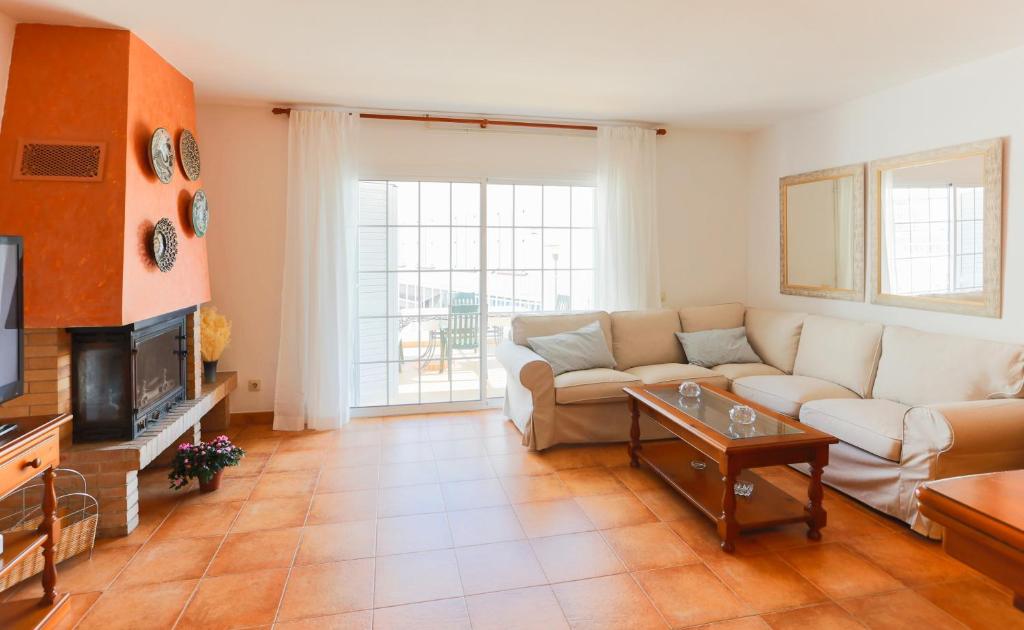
x=728, y=528
x=815, y=512
x=634, y=434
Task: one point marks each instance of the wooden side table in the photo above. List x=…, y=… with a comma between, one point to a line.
x=984, y=520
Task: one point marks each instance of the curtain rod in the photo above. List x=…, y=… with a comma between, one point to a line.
x=483, y=122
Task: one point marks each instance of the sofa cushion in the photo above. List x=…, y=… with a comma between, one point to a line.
x=708, y=348
x=874, y=425
x=839, y=350
x=774, y=335
x=664, y=373
x=785, y=394
x=581, y=349
x=526, y=326
x=733, y=371
x=698, y=318
x=587, y=386
x=645, y=338
x=920, y=368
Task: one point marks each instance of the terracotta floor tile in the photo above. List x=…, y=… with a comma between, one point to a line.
x=607, y=603
x=847, y=521
x=530, y=488
x=457, y=449
x=408, y=474
x=271, y=514
x=169, y=561
x=615, y=510
x=339, y=507
x=649, y=546
x=198, y=521
x=839, y=572
x=416, y=577
x=148, y=523
x=328, y=589
x=215, y=605
x=295, y=460
x=275, y=485
x=404, y=434
x=827, y=615
x=666, y=504
x=764, y=581
x=258, y=445
x=588, y=481
x=567, y=457
x=533, y=608
x=349, y=457
x=550, y=518
x=441, y=614
x=77, y=607
x=346, y=479
x=454, y=432
x=637, y=479
x=255, y=551
x=498, y=567
x=740, y=623
x=308, y=441
x=250, y=466
x=699, y=533
x=899, y=610
x=406, y=452
x=406, y=534
x=465, y=469
x=690, y=595
x=404, y=500
x=484, y=525
x=359, y=620
x=150, y=606
x=975, y=603
x=231, y=489
x=504, y=445
x=517, y=464
x=910, y=558
x=467, y=495
x=337, y=541
x=576, y=557
x=81, y=574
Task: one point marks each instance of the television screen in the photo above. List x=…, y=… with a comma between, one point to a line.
x=11, y=341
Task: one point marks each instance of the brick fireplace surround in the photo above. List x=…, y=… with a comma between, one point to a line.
x=111, y=468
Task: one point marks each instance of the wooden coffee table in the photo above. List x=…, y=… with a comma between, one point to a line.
x=984, y=520
x=712, y=454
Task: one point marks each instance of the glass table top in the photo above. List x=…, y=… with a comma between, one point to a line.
x=712, y=410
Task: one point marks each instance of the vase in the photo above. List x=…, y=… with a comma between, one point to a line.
x=212, y=484
x=209, y=371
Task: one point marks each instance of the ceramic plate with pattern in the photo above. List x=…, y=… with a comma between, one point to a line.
x=161, y=155
x=165, y=244
x=188, y=153
x=200, y=213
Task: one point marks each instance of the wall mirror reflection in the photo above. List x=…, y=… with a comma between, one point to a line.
x=822, y=233
x=936, y=232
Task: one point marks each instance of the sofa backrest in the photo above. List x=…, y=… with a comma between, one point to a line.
x=645, y=338
x=774, y=335
x=921, y=368
x=842, y=351
x=526, y=326
x=698, y=318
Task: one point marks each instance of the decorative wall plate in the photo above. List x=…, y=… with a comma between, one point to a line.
x=165, y=244
x=200, y=213
x=188, y=153
x=161, y=155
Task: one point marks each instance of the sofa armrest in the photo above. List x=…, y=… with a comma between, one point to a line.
x=524, y=366
x=529, y=392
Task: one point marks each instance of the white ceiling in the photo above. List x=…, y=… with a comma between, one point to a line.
x=716, y=63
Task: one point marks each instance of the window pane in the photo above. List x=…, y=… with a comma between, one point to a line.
x=403, y=250
x=556, y=291
x=373, y=340
x=403, y=339
x=499, y=205
x=528, y=206
x=373, y=385
x=403, y=203
x=373, y=203
x=403, y=383
x=465, y=204
x=582, y=206
x=582, y=290
x=435, y=248
x=373, y=248
x=466, y=248
x=372, y=294
x=499, y=290
x=495, y=378
x=434, y=290
x=465, y=374
x=556, y=206
x=465, y=291
x=435, y=203
x=499, y=328
x=556, y=248
x=528, y=248
x=582, y=249
x=528, y=291
x=405, y=293
x=499, y=248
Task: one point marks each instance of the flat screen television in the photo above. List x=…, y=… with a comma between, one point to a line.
x=12, y=341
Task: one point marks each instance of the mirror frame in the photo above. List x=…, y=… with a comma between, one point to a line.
x=991, y=305
x=820, y=291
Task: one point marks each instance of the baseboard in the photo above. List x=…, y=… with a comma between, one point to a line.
x=252, y=417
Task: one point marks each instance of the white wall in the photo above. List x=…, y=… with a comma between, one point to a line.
x=970, y=102
x=701, y=196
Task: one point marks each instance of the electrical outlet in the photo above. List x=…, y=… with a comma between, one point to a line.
x=255, y=384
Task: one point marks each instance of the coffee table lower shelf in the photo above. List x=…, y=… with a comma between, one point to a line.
x=767, y=506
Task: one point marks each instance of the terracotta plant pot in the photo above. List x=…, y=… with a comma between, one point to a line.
x=212, y=484
x=209, y=371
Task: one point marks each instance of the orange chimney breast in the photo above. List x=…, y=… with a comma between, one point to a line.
x=87, y=260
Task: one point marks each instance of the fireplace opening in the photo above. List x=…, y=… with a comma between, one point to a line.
x=125, y=378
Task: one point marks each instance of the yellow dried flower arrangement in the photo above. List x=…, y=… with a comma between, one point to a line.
x=216, y=333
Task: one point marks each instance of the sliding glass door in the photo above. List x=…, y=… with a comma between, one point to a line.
x=425, y=334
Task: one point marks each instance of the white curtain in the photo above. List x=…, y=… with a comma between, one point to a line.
x=314, y=373
x=626, y=272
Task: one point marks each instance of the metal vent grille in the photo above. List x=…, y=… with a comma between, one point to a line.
x=60, y=161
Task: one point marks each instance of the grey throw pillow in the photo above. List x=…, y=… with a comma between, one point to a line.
x=581, y=349
x=708, y=348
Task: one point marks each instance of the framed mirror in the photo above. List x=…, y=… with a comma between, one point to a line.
x=822, y=233
x=936, y=229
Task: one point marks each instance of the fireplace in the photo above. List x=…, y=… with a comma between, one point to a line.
x=125, y=378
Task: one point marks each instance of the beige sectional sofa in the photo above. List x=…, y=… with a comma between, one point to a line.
x=909, y=406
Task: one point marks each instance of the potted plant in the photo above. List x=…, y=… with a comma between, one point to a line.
x=215, y=332
x=205, y=461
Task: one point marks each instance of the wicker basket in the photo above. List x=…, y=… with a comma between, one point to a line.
x=77, y=513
